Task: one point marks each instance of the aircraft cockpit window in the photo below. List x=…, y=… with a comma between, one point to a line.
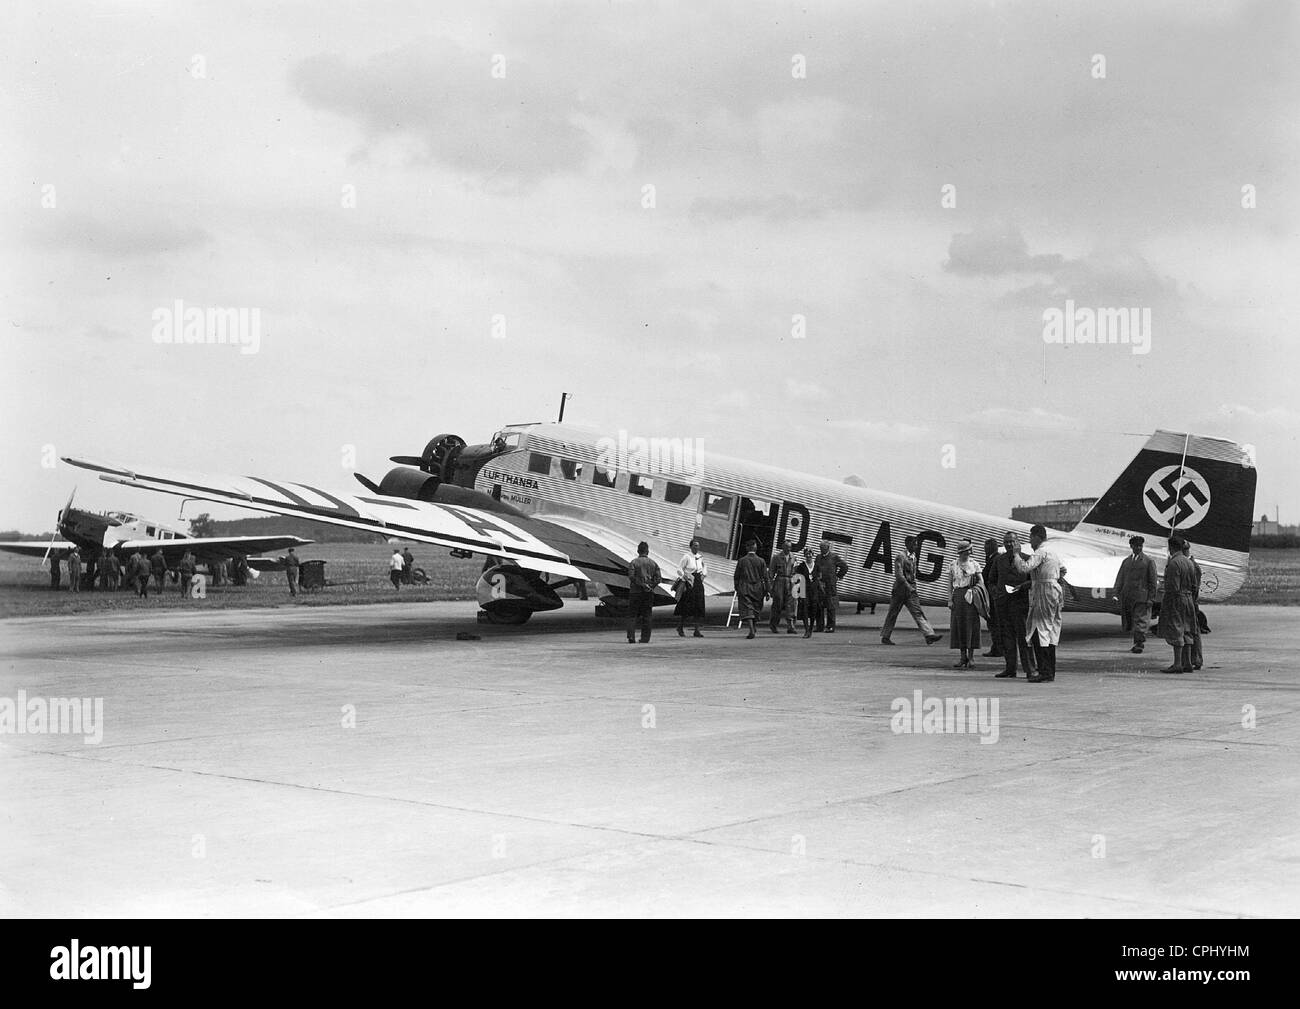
x=150, y=531
x=505, y=441
x=571, y=470
x=601, y=477
x=677, y=493
x=642, y=486
x=717, y=504
x=539, y=463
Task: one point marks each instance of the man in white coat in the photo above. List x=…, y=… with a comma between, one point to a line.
x=1043, y=628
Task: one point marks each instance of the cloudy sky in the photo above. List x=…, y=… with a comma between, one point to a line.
x=441, y=213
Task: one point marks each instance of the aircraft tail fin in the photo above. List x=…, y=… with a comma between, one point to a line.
x=1185, y=483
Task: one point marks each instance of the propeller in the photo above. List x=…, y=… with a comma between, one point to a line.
x=437, y=456
x=58, y=524
x=367, y=483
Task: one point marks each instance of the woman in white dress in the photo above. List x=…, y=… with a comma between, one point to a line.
x=691, y=570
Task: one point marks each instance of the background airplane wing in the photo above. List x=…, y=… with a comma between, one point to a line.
x=35, y=548
x=205, y=548
x=458, y=526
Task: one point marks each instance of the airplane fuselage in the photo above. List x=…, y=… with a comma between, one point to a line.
x=670, y=494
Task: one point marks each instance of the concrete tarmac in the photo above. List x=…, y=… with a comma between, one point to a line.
x=360, y=761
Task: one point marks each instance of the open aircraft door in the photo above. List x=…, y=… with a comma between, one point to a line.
x=715, y=524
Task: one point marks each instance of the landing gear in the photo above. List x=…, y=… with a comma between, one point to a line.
x=508, y=617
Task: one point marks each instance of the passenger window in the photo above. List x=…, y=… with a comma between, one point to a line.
x=640, y=485
x=717, y=504
x=676, y=493
x=601, y=477
x=538, y=463
x=571, y=470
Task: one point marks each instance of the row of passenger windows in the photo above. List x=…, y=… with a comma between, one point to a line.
x=641, y=486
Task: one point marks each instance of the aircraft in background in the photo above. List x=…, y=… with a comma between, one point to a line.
x=124, y=533
x=550, y=505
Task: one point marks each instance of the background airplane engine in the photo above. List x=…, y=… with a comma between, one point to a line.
x=510, y=594
x=402, y=481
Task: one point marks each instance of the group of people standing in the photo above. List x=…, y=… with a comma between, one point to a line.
x=109, y=574
x=1019, y=597
x=806, y=590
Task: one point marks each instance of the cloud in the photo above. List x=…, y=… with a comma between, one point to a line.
x=446, y=99
x=133, y=236
x=1016, y=424
x=1277, y=417
x=879, y=430
x=996, y=249
x=797, y=390
x=777, y=208
x=1111, y=277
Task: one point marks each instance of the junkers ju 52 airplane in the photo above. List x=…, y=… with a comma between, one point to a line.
x=123, y=533
x=551, y=504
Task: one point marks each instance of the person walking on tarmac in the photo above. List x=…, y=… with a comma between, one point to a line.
x=752, y=586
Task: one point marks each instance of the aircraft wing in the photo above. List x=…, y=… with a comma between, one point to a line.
x=205, y=548
x=456, y=526
x=35, y=548
x=606, y=554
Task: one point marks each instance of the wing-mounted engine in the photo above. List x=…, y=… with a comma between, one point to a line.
x=510, y=594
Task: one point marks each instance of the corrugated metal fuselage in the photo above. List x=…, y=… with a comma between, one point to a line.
x=553, y=473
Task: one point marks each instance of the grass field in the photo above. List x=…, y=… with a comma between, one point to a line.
x=358, y=573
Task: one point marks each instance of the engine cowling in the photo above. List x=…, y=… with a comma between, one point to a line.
x=509, y=594
x=402, y=481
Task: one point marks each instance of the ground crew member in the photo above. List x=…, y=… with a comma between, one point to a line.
x=903, y=594
x=158, y=565
x=829, y=570
x=1135, y=585
x=752, y=585
x=1178, y=607
x=396, y=564
x=643, y=577
x=1198, y=659
x=74, y=570
x=291, y=564
x=991, y=621
x=1011, y=587
x=186, y=571
x=781, y=571
x=56, y=573
x=408, y=562
x=1043, y=623
x=137, y=574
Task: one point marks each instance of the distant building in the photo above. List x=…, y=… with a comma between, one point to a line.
x=1269, y=527
x=1064, y=514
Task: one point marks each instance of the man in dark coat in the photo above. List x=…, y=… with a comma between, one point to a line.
x=1198, y=659
x=991, y=621
x=408, y=562
x=56, y=572
x=829, y=570
x=74, y=570
x=1178, y=607
x=158, y=567
x=291, y=565
x=185, y=569
x=137, y=574
x=781, y=570
x=1135, y=585
x=643, y=576
x=808, y=593
x=1011, y=589
x=752, y=586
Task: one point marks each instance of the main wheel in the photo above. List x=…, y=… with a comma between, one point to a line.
x=510, y=617
x=418, y=577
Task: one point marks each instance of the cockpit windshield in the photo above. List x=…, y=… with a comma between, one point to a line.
x=506, y=440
